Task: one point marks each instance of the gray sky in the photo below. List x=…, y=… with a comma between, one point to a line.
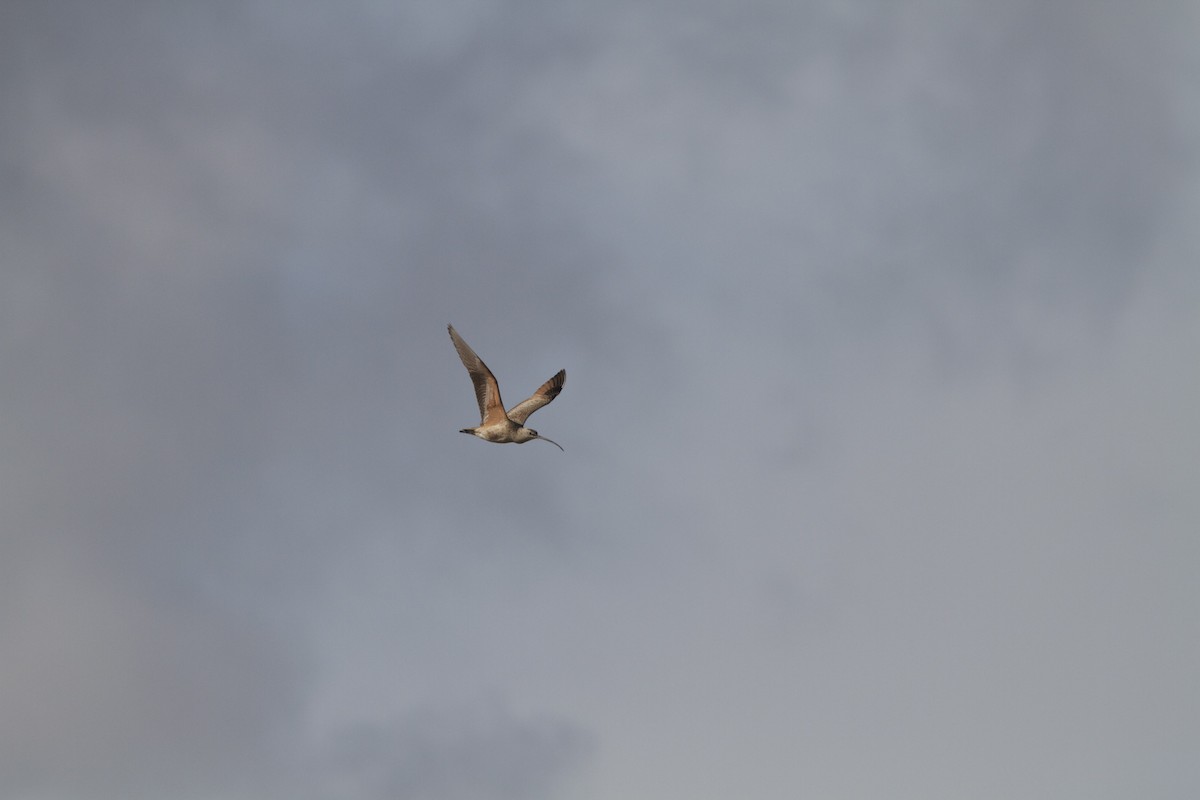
x=880, y=320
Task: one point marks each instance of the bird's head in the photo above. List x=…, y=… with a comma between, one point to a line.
x=529, y=434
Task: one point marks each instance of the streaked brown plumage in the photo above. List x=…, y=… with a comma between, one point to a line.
x=496, y=425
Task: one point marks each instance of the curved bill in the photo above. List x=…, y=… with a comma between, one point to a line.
x=551, y=441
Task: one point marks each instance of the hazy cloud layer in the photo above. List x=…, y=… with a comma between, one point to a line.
x=880, y=324
x=449, y=755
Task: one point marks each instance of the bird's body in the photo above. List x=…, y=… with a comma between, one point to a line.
x=496, y=424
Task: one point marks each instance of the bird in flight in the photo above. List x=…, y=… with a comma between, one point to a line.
x=496, y=425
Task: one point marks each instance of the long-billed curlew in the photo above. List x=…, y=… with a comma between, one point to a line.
x=494, y=424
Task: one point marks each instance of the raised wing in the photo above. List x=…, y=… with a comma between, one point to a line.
x=487, y=391
x=545, y=393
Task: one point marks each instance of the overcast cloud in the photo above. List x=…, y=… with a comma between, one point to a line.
x=881, y=323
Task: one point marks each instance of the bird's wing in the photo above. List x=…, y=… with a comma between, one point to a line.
x=545, y=393
x=487, y=391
